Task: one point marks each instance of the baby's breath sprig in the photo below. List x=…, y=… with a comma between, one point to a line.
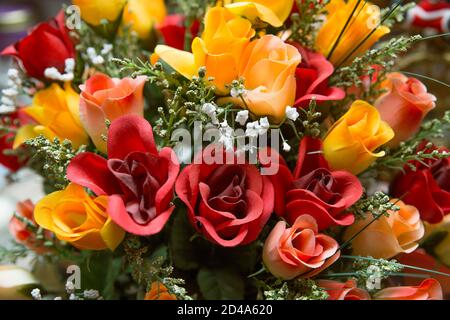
x=298, y=289
x=384, y=56
x=304, y=22
x=397, y=15
x=407, y=154
x=378, y=204
x=51, y=158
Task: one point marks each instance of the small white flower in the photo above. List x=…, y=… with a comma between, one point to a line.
x=210, y=110
x=69, y=65
x=73, y=296
x=264, y=125
x=4, y=109
x=36, y=294
x=7, y=101
x=92, y=55
x=10, y=92
x=292, y=113
x=286, y=146
x=13, y=73
x=57, y=298
x=52, y=73
x=242, y=117
x=252, y=129
x=107, y=48
x=70, y=287
x=91, y=294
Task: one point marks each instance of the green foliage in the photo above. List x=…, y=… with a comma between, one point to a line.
x=13, y=253
x=303, y=29
x=378, y=204
x=397, y=15
x=298, y=289
x=384, y=56
x=220, y=284
x=407, y=154
x=51, y=158
x=368, y=270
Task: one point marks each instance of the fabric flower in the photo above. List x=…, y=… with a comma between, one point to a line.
x=159, y=291
x=298, y=251
x=314, y=189
x=95, y=11
x=355, y=40
x=386, y=237
x=79, y=219
x=268, y=66
x=138, y=179
x=222, y=44
x=228, y=203
x=21, y=232
x=142, y=15
x=173, y=30
x=47, y=45
x=312, y=76
x=404, y=105
x=343, y=290
x=56, y=111
x=12, y=162
x=274, y=12
x=103, y=98
x=352, y=140
x=427, y=188
x=429, y=289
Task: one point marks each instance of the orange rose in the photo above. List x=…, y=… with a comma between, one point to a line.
x=429, y=289
x=299, y=251
x=388, y=236
x=404, y=105
x=158, y=291
x=268, y=66
x=343, y=290
x=103, y=98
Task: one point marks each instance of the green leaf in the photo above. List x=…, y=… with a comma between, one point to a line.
x=244, y=257
x=183, y=251
x=220, y=284
x=113, y=272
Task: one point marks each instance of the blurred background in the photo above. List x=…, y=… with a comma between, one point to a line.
x=430, y=58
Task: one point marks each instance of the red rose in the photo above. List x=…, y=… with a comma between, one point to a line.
x=314, y=189
x=312, y=79
x=138, y=178
x=427, y=188
x=47, y=45
x=228, y=203
x=173, y=30
x=13, y=163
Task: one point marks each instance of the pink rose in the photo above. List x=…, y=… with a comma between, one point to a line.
x=429, y=289
x=299, y=251
x=404, y=105
x=103, y=98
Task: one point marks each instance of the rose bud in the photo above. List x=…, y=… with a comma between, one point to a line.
x=429, y=289
x=343, y=290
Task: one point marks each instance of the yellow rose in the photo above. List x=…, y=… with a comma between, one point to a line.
x=387, y=236
x=268, y=66
x=94, y=11
x=79, y=219
x=352, y=140
x=142, y=15
x=355, y=40
x=219, y=49
x=274, y=12
x=56, y=111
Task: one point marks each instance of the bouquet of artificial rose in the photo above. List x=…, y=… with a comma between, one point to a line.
x=226, y=150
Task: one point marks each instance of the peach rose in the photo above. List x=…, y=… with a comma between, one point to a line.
x=343, y=290
x=388, y=236
x=158, y=291
x=404, y=105
x=429, y=289
x=103, y=98
x=268, y=66
x=299, y=251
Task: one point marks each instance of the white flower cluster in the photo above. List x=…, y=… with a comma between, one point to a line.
x=292, y=113
x=256, y=128
x=9, y=95
x=226, y=135
x=54, y=74
x=210, y=110
x=36, y=294
x=99, y=59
